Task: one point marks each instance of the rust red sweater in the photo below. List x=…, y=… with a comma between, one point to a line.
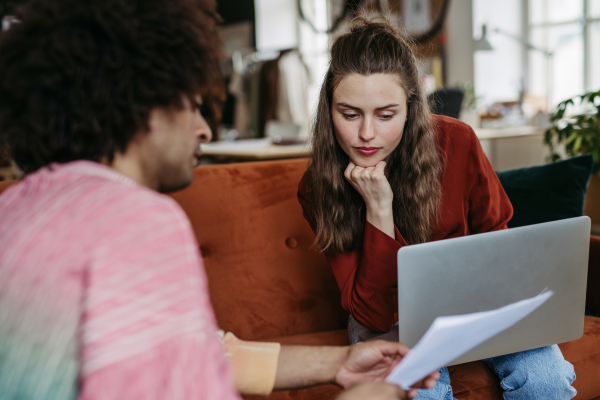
x=473, y=201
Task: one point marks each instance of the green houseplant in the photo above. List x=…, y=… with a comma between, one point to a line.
x=580, y=134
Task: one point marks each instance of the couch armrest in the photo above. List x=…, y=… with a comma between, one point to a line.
x=592, y=298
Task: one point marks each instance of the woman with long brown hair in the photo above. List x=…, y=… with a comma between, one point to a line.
x=385, y=173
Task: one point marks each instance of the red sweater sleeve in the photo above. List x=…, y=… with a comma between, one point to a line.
x=367, y=277
x=489, y=206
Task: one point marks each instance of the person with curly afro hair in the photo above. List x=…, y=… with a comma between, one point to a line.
x=103, y=295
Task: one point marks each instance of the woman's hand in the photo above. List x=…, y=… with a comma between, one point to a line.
x=372, y=184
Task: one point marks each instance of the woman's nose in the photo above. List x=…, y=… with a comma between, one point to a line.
x=367, y=130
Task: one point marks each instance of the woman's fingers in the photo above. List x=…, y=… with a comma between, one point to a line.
x=380, y=168
x=354, y=173
x=349, y=169
x=371, y=183
x=358, y=173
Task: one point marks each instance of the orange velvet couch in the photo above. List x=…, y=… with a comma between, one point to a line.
x=267, y=284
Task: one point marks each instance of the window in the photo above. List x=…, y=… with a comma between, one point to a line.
x=570, y=31
x=498, y=74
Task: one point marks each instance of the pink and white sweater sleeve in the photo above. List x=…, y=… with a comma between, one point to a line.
x=147, y=327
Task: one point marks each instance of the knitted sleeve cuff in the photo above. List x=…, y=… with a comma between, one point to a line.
x=254, y=364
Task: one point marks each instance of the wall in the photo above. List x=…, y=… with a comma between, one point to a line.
x=459, y=28
x=498, y=73
x=276, y=24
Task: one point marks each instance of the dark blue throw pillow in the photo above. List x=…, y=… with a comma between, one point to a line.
x=547, y=192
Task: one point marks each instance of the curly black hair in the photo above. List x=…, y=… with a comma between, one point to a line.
x=78, y=78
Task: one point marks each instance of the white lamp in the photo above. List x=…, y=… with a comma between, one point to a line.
x=482, y=44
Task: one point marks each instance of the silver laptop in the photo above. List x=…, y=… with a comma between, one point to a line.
x=490, y=270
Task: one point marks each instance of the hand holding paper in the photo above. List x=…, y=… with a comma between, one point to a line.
x=373, y=361
x=450, y=337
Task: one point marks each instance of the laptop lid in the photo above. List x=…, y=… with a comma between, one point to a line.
x=490, y=270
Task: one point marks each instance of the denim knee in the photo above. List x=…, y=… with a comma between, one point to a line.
x=441, y=391
x=535, y=374
x=354, y=328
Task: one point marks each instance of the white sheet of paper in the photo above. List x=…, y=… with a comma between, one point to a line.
x=450, y=337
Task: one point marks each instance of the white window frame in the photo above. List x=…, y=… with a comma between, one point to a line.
x=586, y=23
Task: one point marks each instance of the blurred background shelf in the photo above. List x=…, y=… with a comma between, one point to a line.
x=254, y=150
x=506, y=148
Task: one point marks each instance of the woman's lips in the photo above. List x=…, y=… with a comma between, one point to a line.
x=367, y=151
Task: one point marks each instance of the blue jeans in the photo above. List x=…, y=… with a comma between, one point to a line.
x=541, y=373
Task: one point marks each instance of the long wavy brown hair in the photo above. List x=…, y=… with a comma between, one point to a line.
x=414, y=167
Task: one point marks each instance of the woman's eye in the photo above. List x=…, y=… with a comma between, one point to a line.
x=350, y=116
x=386, y=117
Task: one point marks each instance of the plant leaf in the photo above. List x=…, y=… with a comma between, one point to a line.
x=548, y=137
x=580, y=133
x=576, y=145
x=571, y=137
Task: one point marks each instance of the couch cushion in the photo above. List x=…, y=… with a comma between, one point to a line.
x=474, y=381
x=338, y=337
x=321, y=392
x=547, y=192
x=584, y=354
x=592, y=298
x=264, y=280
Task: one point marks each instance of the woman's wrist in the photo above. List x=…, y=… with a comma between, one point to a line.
x=382, y=219
x=380, y=212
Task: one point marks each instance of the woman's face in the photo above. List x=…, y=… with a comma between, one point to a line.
x=368, y=115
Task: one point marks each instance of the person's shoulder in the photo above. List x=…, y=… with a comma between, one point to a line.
x=453, y=128
x=112, y=196
x=453, y=137
x=145, y=215
x=138, y=200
